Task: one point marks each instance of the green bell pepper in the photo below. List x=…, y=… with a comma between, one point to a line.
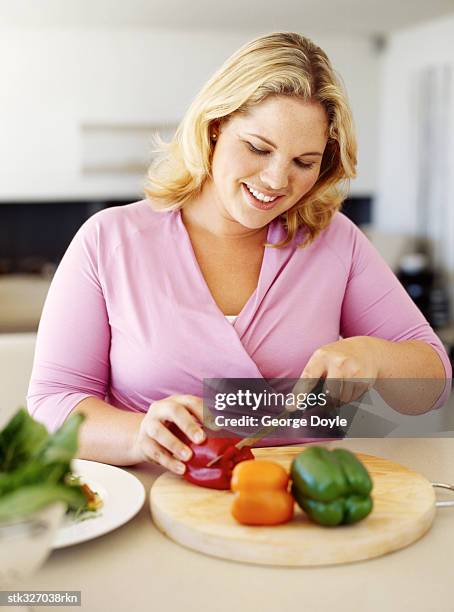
x=332, y=487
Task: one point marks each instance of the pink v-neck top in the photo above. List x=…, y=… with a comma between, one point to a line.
x=129, y=318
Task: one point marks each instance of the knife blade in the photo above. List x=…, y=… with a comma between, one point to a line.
x=252, y=439
x=266, y=430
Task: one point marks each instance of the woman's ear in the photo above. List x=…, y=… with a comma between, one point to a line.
x=214, y=130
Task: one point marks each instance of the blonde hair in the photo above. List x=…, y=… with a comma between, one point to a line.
x=281, y=63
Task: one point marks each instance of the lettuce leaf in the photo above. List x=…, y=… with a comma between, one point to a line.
x=22, y=438
x=34, y=465
x=29, y=499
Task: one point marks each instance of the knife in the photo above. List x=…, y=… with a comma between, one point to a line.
x=253, y=439
x=265, y=430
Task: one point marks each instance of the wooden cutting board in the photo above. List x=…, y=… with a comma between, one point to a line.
x=199, y=518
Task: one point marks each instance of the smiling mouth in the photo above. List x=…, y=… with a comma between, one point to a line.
x=256, y=203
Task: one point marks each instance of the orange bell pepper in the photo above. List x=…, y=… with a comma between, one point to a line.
x=261, y=495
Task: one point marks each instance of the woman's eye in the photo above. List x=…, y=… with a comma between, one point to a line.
x=305, y=165
x=299, y=162
x=255, y=150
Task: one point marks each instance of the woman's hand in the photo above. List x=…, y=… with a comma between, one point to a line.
x=340, y=363
x=154, y=441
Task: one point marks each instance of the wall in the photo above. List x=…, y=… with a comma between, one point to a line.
x=55, y=80
x=408, y=53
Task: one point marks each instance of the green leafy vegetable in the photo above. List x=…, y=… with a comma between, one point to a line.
x=20, y=440
x=28, y=499
x=34, y=466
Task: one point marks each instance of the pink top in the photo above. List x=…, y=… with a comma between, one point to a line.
x=129, y=318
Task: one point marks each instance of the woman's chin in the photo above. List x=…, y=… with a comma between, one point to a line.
x=250, y=221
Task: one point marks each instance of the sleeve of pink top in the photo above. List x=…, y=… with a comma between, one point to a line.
x=72, y=350
x=376, y=304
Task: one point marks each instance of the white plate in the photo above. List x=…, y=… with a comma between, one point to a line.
x=122, y=495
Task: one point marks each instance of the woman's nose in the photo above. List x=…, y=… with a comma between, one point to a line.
x=275, y=176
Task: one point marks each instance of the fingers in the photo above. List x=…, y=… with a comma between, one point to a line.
x=156, y=454
x=192, y=403
x=301, y=390
x=210, y=423
x=355, y=390
x=175, y=410
x=344, y=390
x=315, y=369
x=342, y=370
x=159, y=444
x=166, y=439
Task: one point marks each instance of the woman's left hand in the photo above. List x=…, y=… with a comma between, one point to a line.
x=350, y=367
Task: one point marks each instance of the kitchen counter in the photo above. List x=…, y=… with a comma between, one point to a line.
x=22, y=298
x=137, y=568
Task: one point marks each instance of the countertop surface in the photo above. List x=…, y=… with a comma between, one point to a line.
x=138, y=568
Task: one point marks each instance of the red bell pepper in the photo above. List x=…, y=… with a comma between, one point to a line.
x=217, y=476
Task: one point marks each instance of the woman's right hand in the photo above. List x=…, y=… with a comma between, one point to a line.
x=154, y=441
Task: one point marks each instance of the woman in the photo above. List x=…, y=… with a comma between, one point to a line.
x=241, y=221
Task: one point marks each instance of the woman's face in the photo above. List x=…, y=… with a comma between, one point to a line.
x=275, y=151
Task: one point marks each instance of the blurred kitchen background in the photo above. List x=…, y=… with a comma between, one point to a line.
x=86, y=83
